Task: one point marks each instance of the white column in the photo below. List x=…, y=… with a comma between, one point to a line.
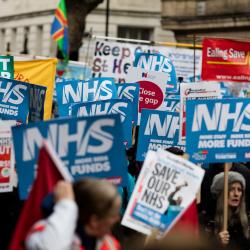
x=46, y=38
x=20, y=39
x=32, y=38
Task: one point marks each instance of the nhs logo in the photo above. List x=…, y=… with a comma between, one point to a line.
x=158, y=129
x=117, y=106
x=156, y=62
x=233, y=116
x=74, y=91
x=12, y=92
x=88, y=146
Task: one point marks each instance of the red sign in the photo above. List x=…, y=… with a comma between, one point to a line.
x=225, y=60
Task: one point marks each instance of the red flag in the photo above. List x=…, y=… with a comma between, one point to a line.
x=50, y=170
x=188, y=222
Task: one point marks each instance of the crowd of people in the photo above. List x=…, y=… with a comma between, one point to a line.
x=87, y=214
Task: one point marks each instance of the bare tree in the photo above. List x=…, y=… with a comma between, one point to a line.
x=77, y=10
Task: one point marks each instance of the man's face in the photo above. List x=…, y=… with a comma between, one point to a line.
x=235, y=194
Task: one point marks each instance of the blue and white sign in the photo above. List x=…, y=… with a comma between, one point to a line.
x=14, y=100
x=172, y=104
x=70, y=92
x=130, y=91
x=158, y=129
x=115, y=106
x=36, y=102
x=218, y=130
x=158, y=62
x=88, y=146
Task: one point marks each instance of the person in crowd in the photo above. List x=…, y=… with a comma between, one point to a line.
x=237, y=234
x=82, y=218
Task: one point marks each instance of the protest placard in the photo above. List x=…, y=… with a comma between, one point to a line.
x=70, y=92
x=158, y=129
x=225, y=60
x=200, y=90
x=88, y=146
x=36, y=102
x=115, y=106
x=218, y=130
x=160, y=63
x=6, y=67
x=130, y=91
x=6, y=156
x=14, y=100
x=152, y=88
x=167, y=185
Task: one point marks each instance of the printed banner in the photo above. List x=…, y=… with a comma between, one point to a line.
x=39, y=72
x=152, y=88
x=89, y=146
x=36, y=102
x=172, y=104
x=158, y=129
x=130, y=91
x=14, y=100
x=166, y=186
x=218, y=130
x=6, y=156
x=71, y=92
x=112, y=59
x=225, y=60
x=7, y=67
x=73, y=70
x=201, y=90
x=121, y=107
x=158, y=62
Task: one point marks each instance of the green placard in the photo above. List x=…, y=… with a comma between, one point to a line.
x=7, y=67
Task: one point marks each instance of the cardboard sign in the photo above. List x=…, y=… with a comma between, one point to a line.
x=88, y=146
x=71, y=92
x=158, y=62
x=39, y=72
x=152, y=88
x=201, y=90
x=158, y=129
x=218, y=130
x=36, y=102
x=121, y=107
x=14, y=100
x=225, y=60
x=6, y=67
x=130, y=91
x=166, y=186
x=6, y=156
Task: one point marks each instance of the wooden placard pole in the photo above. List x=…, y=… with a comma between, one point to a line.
x=227, y=167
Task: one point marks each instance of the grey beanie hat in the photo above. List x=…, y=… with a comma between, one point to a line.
x=218, y=182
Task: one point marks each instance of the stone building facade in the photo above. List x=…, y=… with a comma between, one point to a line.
x=219, y=18
x=25, y=24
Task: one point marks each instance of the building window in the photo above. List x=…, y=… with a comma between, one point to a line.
x=2, y=41
x=201, y=8
x=135, y=33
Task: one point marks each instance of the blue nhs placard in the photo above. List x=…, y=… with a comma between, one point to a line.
x=115, y=106
x=88, y=146
x=218, y=130
x=70, y=92
x=158, y=129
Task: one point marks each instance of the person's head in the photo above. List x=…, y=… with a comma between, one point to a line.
x=99, y=205
x=236, y=197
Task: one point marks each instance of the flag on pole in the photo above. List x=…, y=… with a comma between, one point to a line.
x=50, y=170
x=60, y=30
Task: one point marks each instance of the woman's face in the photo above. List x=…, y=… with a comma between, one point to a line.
x=235, y=194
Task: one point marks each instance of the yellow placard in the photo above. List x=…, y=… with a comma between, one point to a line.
x=39, y=72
